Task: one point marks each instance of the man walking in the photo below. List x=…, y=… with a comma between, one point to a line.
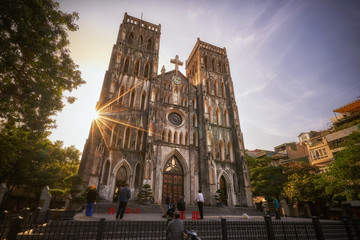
x=200, y=203
x=124, y=196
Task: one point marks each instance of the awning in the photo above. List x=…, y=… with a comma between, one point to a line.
x=349, y=108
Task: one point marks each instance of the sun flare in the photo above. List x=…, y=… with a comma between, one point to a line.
x=94, y=115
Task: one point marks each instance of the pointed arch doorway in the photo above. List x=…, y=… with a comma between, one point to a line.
x=120, y=180
x=173, y=180
x=223, y=187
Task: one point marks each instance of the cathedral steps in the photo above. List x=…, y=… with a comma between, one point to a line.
x=103, y=208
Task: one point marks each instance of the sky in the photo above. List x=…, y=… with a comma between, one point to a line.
x=292, y=62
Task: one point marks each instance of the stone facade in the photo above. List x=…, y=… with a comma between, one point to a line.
x=176, y=133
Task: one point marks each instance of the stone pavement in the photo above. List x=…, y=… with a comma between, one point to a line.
x=153, y=213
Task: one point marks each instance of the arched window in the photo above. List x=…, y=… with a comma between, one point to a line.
x=126, y=65
x=175, y=137
x=132, y=98
x=212, y=176
x=210, y=115
x=121, y=95
x=170, y=136
x=208, y=86
x=206, y=62
x=127, y=138
x=153, y=95
x=181, y=141
x=151, y=129
x=231, y=156
x=194, y=120
x=213, y=148
x=106, y=173
x=215, y=88
x=157, y=95
x=163, y=135
x=221, y=149
x=143, y=98
x=213, y=64
x=226, y=121
x=195, y=139
x=223, y=90
x=131, y=38
x=218, y=116
x=137, y=182
x=118, y=57
x=139, y=140
x=146, y=71
x=141, y=39
x=136, y=68
x=149, y=44
x=147, y=170
x=220, y=67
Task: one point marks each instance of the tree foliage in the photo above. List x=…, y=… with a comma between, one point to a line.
x=343, y=177
x=35, y=72
x=35, y=63
x=266, y=180
x=301, y=187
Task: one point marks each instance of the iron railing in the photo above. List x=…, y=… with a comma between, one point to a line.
x=19, y=228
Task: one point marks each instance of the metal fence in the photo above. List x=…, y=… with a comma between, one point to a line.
x=214, y=230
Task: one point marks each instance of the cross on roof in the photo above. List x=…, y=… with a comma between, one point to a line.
x=177, y=62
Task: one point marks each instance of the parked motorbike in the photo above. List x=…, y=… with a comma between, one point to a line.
x=191, y=235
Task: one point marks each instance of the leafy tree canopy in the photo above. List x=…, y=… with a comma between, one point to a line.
x=35, y=72
x=266, y=180
x=35, y=63
x=343, y=176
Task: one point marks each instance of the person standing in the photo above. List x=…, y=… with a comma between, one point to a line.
x=90, y=201
x=277, y=207
x=175, y=229
x=181, y=204
x=200, y=203
x=124, y=196
x=169, y=201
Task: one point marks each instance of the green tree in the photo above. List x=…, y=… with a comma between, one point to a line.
x=35, y=72
x=266, y=180
x=35, y=63
x=301, y=188
x=343, y=178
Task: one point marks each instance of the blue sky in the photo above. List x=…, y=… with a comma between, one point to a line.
x=292, y=62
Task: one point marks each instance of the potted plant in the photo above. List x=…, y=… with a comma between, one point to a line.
x=145, y=194
x=220, y=197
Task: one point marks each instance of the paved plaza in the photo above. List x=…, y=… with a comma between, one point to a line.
x=153, y=213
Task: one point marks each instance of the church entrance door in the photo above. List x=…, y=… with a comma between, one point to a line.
x=173, y=181
x=223, y=187
x=120, y=180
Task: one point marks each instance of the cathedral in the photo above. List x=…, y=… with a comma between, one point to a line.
x=178, y=133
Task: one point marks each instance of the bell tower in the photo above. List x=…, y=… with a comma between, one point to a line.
x=116, y=141
x=220, y=136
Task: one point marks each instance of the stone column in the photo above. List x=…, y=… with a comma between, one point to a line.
x=45, y=199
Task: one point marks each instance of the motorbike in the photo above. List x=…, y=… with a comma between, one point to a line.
x=191, y=235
